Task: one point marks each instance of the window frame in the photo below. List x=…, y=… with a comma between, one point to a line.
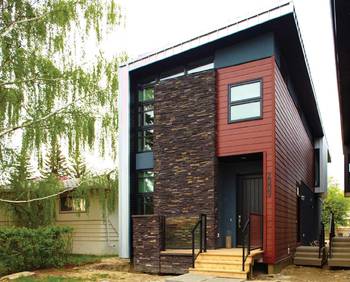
x=143, y=194
x=140, y=110
x=70, y=211
x=317, y=167
x=245, y=101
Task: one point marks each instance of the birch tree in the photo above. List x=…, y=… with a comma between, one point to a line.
x=55, y=82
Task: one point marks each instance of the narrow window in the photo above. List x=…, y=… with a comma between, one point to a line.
x=317, y=167
x=245, y=101
x=145, y=189
x=70, y=204
x=347, y=174
x=145, y=119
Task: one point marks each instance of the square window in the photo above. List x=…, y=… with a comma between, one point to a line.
x=146, y=94
x=245, y=101
x=70, y=204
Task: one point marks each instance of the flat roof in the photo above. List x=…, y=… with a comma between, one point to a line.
x=280, y=10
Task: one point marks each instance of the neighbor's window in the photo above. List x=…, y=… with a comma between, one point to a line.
x=245, y=101
x=317, y=167
x=144, y=195
x=145, y=119
x=70, y=204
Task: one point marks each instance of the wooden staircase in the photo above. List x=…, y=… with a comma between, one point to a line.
x=340, y=252
x=309, y=256
x=225, y=263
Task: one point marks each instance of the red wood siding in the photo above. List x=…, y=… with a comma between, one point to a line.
x=251, y=136
x=294, y=162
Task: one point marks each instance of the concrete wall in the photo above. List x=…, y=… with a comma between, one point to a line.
x=92, y=234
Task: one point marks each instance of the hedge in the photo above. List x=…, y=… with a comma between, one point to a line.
x=27, y=249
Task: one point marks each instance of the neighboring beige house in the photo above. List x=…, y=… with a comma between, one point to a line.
x=344, y=230
x=92, y=233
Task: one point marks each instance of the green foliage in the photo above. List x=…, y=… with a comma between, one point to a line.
x=336, y=203
x=54, y=86
x=55, y=163
x=26, y=249
x=43, y=213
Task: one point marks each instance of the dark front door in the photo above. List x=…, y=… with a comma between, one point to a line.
x=249, y=200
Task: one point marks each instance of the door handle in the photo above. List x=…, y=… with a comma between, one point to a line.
x=239, y=221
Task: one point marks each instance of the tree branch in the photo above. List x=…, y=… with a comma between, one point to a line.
x=15, y=23
x=45, y=117
x=4, y=83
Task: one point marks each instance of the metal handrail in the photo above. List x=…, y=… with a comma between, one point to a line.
x=331, y=234
x=244, y=234
x=246, y=237
x=321, y=241
x=202, y=224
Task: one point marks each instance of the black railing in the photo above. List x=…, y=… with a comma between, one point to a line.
x=331, y=234
x=201, y=227
x=252, y=235
x=321, y=241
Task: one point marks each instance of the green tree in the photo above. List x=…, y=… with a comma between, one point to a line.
x=335, y=202
x=54, y=87
x=56, y=163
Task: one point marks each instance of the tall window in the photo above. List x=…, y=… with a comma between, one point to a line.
x=145, y=119
x=144, y=195
x=245, y=101
x=317, y=167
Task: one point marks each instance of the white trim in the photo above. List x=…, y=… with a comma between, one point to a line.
x=282, y=9
x=124, y=163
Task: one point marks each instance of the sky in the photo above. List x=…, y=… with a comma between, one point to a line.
x=154, y=24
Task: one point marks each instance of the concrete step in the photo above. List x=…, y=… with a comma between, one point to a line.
x=226, y=273
x=308, y=261
x=342, y=262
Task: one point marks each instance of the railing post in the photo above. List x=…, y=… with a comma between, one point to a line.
x=201, y=234
x=205, y=232
x=261, y=231
x=193, y=258
x=248, y=252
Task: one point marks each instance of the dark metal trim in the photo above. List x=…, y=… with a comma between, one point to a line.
x=245, y=101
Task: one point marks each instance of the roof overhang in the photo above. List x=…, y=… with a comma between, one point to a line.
x=341, y=24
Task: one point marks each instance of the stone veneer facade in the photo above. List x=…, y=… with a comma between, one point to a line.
x=185, y=166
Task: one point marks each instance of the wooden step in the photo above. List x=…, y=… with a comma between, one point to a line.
x=340, y=250
x=227, y=273
x=341, y=244
x=219, y=258
x=219, y=266
x=308, y=261
x=307, y=249
x=341, y=239
x=341, y=262
x=340, y=255
x=309, y=255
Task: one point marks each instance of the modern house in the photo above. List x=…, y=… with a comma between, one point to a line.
x=341, y=23
x=223, y=158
